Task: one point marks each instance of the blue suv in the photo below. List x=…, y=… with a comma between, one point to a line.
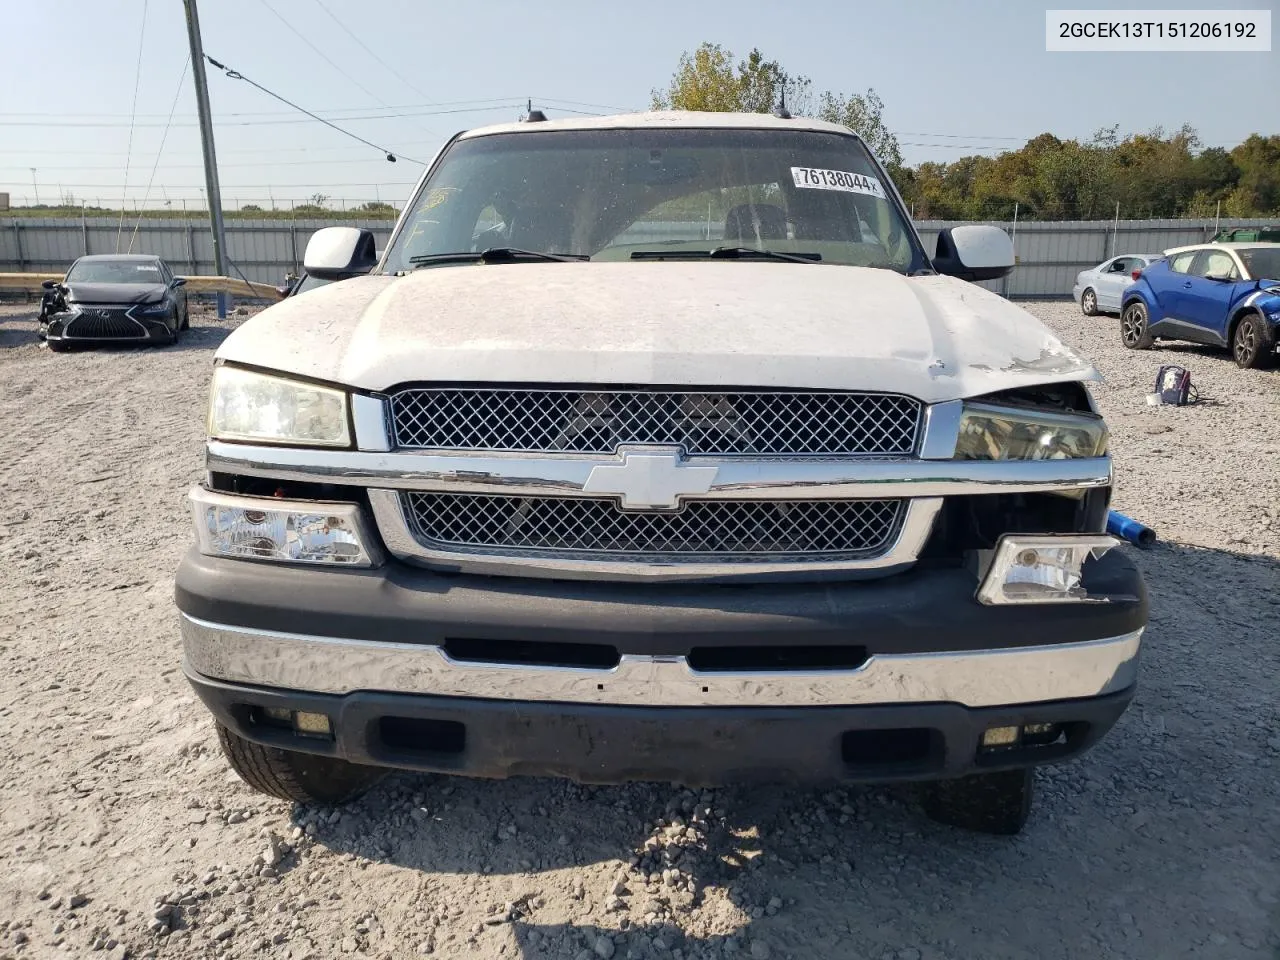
x=1224, y=294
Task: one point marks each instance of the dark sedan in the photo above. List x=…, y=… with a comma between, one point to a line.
x=115, y=299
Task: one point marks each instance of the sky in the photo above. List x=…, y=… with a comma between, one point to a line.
x=955, y=78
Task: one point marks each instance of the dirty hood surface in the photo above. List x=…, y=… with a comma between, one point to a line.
x=757, y=324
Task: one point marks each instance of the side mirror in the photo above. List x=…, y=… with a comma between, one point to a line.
x=336, y=253
x=974, y=253
x=179, y=281
x=48, y=284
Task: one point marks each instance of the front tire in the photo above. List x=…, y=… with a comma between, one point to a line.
x=291, y=775
x=997, y=803
x=186, y=319
x=1253, y=343
x=58, y=346
x=1089, y=303
x=1135, y=328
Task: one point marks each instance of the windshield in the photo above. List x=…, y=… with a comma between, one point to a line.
x=628, y=194
x=114, y=271
x=1263, y=263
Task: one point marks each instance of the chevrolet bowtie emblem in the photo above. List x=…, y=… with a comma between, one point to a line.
x=650, y=478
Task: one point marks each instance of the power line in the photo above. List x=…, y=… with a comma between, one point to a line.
x=133, y=112
x=322, y=54
x=514, y=105
x=347, y=30
x=160, y=150
x=236, y=75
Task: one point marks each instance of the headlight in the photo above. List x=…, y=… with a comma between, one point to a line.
x=153, y=309
x=257, y=407
x=282, y=530
x=1007, y=433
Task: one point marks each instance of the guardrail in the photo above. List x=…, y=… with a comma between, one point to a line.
x=32, y=283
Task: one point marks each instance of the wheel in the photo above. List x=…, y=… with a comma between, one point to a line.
x=186, y=319
x=1134, y=332
x=997, y=803
x=290, y=775
x=58, y=346
x=1253, y=344
x=1089, y=303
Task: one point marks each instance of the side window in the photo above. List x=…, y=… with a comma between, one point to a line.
x=1120, y=265
x=1215, y=263
x=1182, y=262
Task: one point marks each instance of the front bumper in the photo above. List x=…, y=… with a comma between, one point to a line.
x=133, y=328
x=393, y=656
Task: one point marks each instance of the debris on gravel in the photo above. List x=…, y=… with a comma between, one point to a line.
x=126, y=835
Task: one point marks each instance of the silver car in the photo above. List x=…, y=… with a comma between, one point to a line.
x=1100, y=289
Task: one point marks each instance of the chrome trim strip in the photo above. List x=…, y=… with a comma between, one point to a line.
x=369, y=416
x=941, y=430
x=977, y=678
x=851, y=478
x=394, y=525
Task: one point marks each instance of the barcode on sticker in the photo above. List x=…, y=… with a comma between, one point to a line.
x=815, y=178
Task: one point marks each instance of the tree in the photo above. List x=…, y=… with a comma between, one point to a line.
x=864, y=115
x=708, y=79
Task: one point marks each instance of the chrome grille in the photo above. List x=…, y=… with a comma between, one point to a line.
x=719, y=530
x=725, y=424
x=104, y=323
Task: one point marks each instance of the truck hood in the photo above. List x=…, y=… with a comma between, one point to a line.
x=115, y=292
x=753, y=324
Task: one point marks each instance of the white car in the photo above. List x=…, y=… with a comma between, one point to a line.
x=1101, y=289
x=657, y=447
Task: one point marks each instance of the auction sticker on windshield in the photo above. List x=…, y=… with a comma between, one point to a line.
x=816, y=179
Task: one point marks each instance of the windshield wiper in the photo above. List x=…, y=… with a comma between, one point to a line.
x=494, y=255
x=726, y=253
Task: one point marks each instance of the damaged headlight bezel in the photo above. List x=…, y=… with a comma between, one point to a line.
x=989, y=431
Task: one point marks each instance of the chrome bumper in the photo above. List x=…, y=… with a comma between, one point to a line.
x=978, y=678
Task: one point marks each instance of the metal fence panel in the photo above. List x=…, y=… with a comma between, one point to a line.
x=1049, y=254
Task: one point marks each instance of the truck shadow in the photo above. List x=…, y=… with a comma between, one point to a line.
x=859, y=871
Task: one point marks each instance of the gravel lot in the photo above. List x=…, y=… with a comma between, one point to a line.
x=123, y=830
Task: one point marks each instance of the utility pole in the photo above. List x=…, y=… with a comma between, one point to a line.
x=35, y=186
x=206, y=142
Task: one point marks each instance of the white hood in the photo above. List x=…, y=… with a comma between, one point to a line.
x=756, y=324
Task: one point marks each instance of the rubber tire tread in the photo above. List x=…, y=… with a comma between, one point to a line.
x=1265, y=357
x=291, y=775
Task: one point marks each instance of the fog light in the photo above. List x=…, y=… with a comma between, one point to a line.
x=1045, y=569
x=314, y=724
x=1000, y=737
x=278, y=714
x=269, y=529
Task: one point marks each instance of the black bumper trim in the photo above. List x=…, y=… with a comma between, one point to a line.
x=698, y=746
x=922, y=610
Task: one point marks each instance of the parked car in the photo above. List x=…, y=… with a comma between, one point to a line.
x=1248, y=235
x=1224, y=294
x=114, y=298
x=1101, y=289
x=609, y=500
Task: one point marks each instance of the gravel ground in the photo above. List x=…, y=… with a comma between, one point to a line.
x=122, y=830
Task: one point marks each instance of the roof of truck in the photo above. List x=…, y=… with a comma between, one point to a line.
x=665, y=118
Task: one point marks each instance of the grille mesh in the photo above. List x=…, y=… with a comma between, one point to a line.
x=105, y=325
x=761, y=424
x=719, y=530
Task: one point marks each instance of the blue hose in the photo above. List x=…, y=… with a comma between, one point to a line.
x=1126, y=528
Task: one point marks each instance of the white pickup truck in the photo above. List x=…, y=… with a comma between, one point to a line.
x=657, y=447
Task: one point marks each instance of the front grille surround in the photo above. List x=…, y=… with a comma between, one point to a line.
x=104, y=323
x=703, y=422
x=703, y=530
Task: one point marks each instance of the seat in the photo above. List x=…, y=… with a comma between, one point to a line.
x=755, y=222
